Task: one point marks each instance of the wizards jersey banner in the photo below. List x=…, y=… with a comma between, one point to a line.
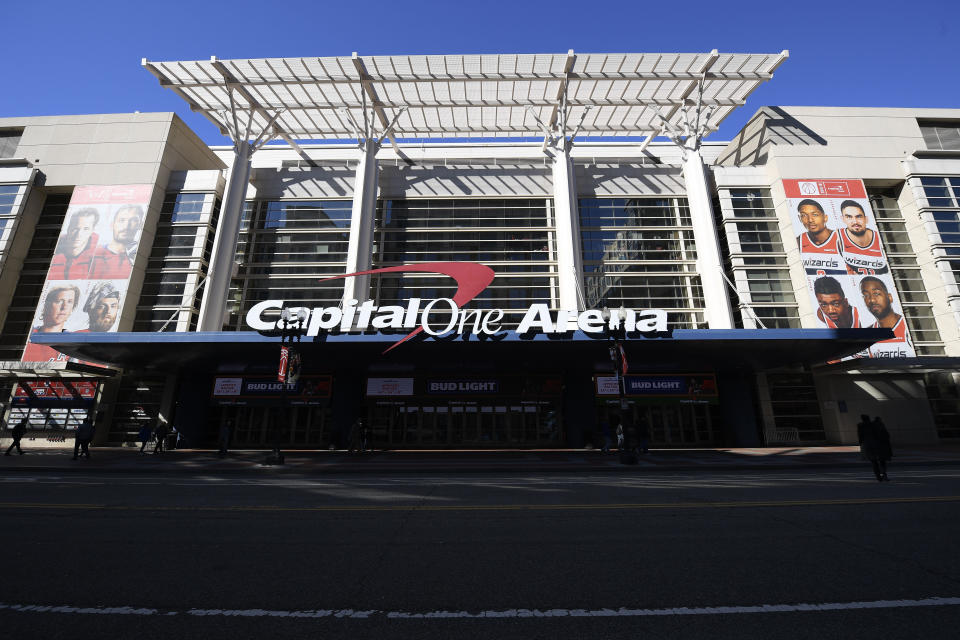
x=848, y=276
x=86, y=284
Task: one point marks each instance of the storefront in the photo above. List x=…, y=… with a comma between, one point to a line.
x=436, y=411
x=459, y=391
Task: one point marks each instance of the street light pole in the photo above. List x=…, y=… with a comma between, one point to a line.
x=616, y=331
x=291, y=328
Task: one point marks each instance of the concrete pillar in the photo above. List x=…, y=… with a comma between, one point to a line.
x=213, y=305
x=360, y=246
x=718, y=311
x=567, y=217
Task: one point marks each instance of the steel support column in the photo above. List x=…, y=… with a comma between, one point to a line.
x=213, y=306
x=717, y=308
x=567, y=218
x=360, y=245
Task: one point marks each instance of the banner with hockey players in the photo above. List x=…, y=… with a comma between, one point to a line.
x=848, y=276
x=89, y=273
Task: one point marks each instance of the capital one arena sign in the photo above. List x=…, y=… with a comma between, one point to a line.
x=471, y=278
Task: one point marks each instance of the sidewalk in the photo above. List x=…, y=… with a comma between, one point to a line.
x=128, y=460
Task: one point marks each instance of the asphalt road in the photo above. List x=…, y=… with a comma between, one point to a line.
x=765, y=554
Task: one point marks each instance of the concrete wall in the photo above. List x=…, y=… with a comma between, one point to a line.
x=899, y=399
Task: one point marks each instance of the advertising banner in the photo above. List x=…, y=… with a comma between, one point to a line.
x=848, y=276
x=89, y=274
x=463, y=387
x=684, y=388
x=40, y=393
x=264, y=391
x=389, y=386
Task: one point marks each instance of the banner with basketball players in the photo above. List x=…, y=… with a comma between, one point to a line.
x=848, y=276
x=87, y=281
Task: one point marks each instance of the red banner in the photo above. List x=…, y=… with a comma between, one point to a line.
x=284, y=360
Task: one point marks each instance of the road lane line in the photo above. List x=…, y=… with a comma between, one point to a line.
x=622, y=612
x=490, y=507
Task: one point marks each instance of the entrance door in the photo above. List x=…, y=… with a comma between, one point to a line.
x=412, y=424
x=301, y=426
x=670, y=425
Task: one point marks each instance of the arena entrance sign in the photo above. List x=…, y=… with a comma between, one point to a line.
x=471, y=279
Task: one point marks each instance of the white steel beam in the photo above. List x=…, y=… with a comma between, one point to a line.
x=371, y=93
x=566, y=218
x=718, y=312
x=220, y=271
x=363, y=212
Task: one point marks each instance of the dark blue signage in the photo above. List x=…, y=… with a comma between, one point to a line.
x=671, y=386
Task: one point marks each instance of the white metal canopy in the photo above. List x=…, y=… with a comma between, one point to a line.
x=453, y=96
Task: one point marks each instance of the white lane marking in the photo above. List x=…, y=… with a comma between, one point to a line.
x=659, y=479
x=621, y=612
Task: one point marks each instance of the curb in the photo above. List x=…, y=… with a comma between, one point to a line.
x=460, y=470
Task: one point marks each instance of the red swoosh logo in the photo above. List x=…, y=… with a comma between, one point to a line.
x=471, y=278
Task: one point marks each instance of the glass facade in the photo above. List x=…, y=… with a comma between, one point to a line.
x=514, y=237
x=9, y=141
x=943, y=202
x=941, y=135
x=285, y=247
x=917, y=308
x=172, y=285
x=943, y=391
x=26, y=295
x=795, y=409
x=757, y=259
x=639, y=253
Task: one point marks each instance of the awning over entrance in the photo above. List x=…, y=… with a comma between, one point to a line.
x=39, y=370
x=443, y=96
x=683, y=349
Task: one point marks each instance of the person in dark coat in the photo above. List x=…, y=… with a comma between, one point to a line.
x=144, y=436
x=365, y=444
x=223, y=438
x=874, y=445
x=160, y=432
x=81, y=442
x=886, y=449
x=17, y=433
x=643, y=431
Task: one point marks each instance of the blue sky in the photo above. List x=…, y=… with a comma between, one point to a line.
x=72, y=57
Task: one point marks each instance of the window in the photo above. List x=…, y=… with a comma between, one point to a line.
x=515, y=237
x=285, y=247
x=943, y=393
x=942, y=134
x=917, y=308
x=795, y=408
x=943, y=194
x=9, y=141
x=753, y=248
x=170, y=297
x=26, y=295
x=640, y=253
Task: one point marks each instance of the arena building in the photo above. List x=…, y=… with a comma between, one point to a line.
x=541, y=243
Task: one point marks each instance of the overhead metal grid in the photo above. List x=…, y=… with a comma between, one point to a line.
x=456, y=96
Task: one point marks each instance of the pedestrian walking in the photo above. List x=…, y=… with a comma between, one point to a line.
x=875, y=445
x=643, y=432
x=223, y=438
x=605, y=434
x=160, y=433
x=144, y=436
x=353, y=436
x=18, y=430
x=619, y=429
x=364, y=436
x=81, y=440
x=886, y=449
